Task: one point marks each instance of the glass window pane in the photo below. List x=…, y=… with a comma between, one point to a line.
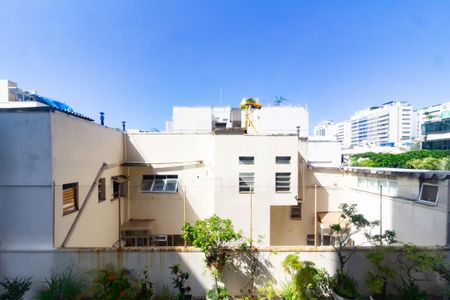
x=393, y=188
x=146, y=185
x=362, y=182
x=171, y=185
x=283, y=160
x=246, y=160
x=372, y=184
x=158, y=185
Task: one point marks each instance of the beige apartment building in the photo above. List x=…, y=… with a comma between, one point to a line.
x=69, y=182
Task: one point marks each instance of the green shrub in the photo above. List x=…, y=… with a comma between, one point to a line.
x=14, y=288
x=417, y=159
x=344, y=285
x=112, y=285
x=144, y=287
x=66, y=285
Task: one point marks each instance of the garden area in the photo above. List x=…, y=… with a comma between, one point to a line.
x=397, y=270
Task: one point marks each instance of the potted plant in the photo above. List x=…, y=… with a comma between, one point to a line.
x=179, y=282
x=14, y=288
x=213, y=236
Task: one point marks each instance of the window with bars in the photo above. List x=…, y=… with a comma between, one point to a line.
x=70, y=197
x=246, y=160
x=101, y=189
x=159, y=183
x=283, y=160
x=246, y=182
x=282, y=182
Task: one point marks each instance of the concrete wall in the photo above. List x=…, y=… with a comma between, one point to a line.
x=279, y=120
x=415, y=222
x=190, y=157
x=232, y=204
x=192, y=119
x=208, y=170
x=40, y=264
x=79, y=149
x=26, y=206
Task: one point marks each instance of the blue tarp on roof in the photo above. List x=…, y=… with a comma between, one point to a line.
x=60, y=106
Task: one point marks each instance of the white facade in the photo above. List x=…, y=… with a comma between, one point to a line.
x=267, y=120
x=431, y=113
x=325, y=128
x=389, y=124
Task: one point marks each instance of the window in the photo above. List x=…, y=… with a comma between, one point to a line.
x=70, y=198
x=296, y=211
x=283, y=160
x=246, y=160
x=282, y=182
x=246, y=182
x=429, y=192
x=120, y=183
x=370, y=184
x=159, y=183
x=101, y=189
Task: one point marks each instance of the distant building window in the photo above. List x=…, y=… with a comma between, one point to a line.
x=296, y=211
x=159, y=184
x=246, y=160
x=101, y=189
x=283, y=160
x=70, y=197
x=246, y=182
x=119, y=186
x=282, y=182
x=429, y=192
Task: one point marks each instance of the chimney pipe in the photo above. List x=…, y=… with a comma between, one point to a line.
x=123, y=125
x=102, y=118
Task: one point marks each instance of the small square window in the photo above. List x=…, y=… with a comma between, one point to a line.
x=283, y=160
x=119, y=184
x=246, y=160
x=429, y=193
x=70, y=198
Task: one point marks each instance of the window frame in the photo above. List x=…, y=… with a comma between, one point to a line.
x=153, y=178
x=281, y=188
x=68, y=186
x=435, y=202
x=116, y=184
x=246, y=160
x=299, y=207
x=281, y=160
x=101, y=187
x=248, y=186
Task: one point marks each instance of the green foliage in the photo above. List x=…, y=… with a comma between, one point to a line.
x=14, y=288
x=218, y=293
x=179, y=280
x=288, y=291
x=112, y=285
x=144, y=287
x=308, y=281
x=351, y=222
x=66, y=285
x=268, y=291
x=414, y=264
x=416, y=159
x=211, y=236
x=344, y=285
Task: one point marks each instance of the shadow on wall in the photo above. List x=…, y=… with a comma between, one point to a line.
x=252, y=269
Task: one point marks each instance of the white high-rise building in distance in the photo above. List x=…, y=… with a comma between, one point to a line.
x=433, y=113
x=387, y=125
x=341, y=131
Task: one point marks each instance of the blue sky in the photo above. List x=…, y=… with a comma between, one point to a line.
x=135, y=59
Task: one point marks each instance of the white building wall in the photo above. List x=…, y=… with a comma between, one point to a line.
x=26, y=206
x=230, y=203
x=79, y=149
x=192, y=119
x=279, y=120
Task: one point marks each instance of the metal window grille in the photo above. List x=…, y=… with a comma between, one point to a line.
x=282, y=182
x=246, y=182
